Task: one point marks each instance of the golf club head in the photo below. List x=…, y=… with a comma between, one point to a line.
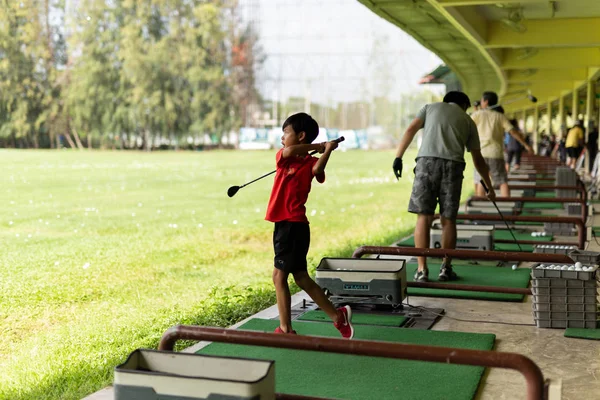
x=531, y=97
x=232, y=191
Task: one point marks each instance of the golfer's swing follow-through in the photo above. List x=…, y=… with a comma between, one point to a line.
x=234, y=189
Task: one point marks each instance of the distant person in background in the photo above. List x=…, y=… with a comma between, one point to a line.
x=491, y=126
x=574, y=143
x=514, y=149
x=562, y=150
x=592, y=144
x=545, y=147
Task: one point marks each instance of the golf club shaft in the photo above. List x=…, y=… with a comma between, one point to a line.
x=338, y=140
x=501, y=216
x=259, y=178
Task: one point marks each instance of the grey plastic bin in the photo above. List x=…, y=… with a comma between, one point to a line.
x=363, y=280
x=564, y=274
x=565, y=307
x=562, y=323
x=158, y=375
x=585, y=257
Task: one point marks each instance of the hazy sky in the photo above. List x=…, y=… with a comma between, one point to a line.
x=334, y=50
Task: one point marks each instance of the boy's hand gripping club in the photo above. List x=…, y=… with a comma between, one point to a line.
x=234, y=189
x=501, y=216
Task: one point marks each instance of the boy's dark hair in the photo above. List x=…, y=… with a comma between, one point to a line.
x=491, y=97
x=459, y=98
x=302, y=122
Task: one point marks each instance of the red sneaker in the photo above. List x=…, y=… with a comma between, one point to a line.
x=279, y=330
x=344, y=324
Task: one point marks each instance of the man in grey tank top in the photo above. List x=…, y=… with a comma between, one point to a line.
x=447, y=132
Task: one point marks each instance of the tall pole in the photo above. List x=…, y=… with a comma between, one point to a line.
x=589, y=107
x=536, y=116
x=549, y=122
x=575, y=104
x=561, y=117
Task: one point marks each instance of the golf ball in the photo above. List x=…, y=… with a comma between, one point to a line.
x=577, y=264
x=514, y=266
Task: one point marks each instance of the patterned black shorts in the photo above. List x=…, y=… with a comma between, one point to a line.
x=291, y=241
x=497, y=172
x=437, y=181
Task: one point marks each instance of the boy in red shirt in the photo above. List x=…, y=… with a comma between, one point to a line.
x=291, y=237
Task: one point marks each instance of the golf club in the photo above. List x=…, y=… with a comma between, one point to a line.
x=501, y=216
x=234, y=189
x=529, y=96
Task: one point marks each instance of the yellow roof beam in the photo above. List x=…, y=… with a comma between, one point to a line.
x=552, y=58
x=546, y=75
x=567, y=32
x=459, y=3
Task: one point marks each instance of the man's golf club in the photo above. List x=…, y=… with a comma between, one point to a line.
x=529, y=96
x=234, y=189
x=501, y=216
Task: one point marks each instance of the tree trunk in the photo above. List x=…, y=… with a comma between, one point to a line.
x=71, y=143
x=77, y=139
x=147, y=144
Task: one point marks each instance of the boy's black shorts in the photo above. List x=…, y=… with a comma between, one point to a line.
x=290, y=242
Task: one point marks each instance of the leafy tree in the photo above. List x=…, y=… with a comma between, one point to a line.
x=31, y=53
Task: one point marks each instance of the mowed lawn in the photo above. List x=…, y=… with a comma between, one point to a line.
x=100, y=252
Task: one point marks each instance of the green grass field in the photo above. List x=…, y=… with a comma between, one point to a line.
x=100, y=252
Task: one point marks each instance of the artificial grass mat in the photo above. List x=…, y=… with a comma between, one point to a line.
x=343, y=376
x=499, y=234
x=357, y=318
x=504, y=234
x=474, y=275
x=525, y=248
x=581, y=333
x=530, y=214
x=545, y=195
x=543, y=205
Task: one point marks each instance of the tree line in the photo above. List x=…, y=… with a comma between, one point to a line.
x=122, y=73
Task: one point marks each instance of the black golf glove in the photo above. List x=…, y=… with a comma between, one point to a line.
x=397, y=167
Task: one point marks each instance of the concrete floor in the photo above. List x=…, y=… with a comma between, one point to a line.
x=572, y=365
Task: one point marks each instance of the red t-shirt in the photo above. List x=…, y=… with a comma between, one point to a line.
x=291, y=187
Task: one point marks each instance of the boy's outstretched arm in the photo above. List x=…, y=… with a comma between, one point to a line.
x=319, y=166
x=302, y=149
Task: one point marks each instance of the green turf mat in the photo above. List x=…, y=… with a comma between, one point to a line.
x=358, y=318
x=545, y=195
x=474, y=275
x=498, y=235
x=545, y=206
x=410, y=242
x=505, y=235
x=526, y=248
x=343, y=376
x=580, y=333
x=530, y=214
